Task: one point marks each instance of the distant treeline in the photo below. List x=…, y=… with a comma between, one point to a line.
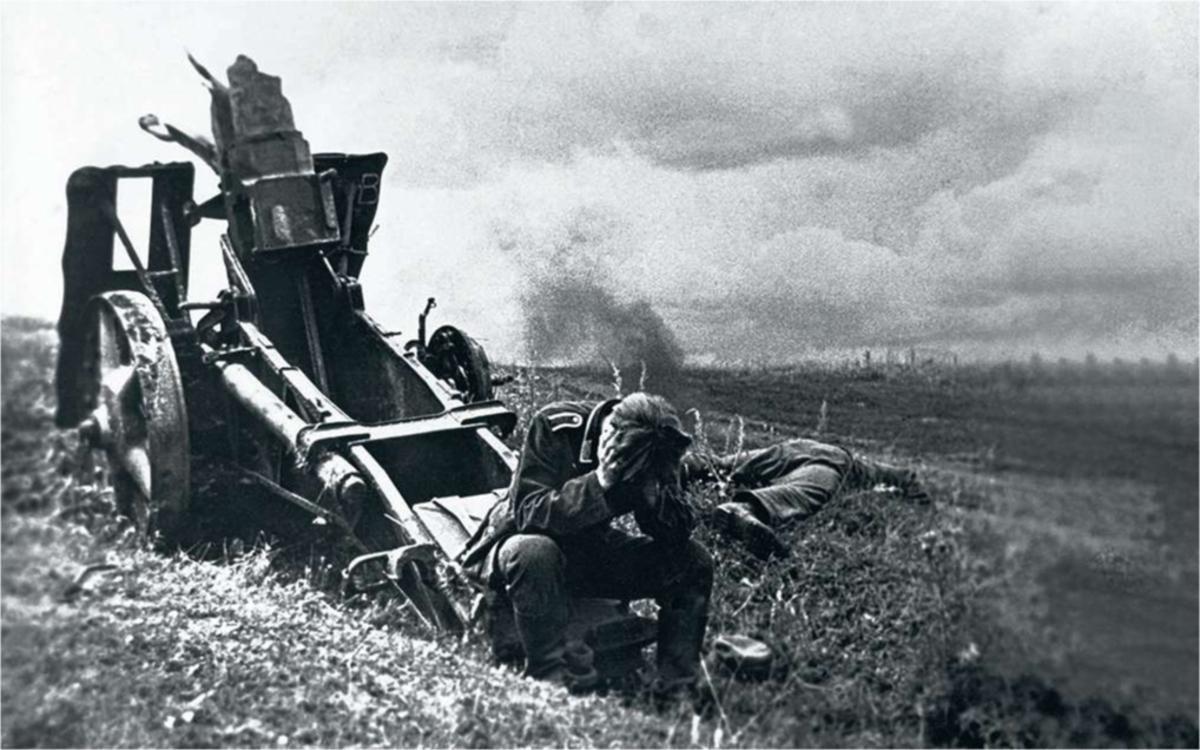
x=1036, y=370
x=947, y=363
x=1039, y=369
x=913, y=360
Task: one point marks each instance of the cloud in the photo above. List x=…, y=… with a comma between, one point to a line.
x=699, y=86
x=771, y=178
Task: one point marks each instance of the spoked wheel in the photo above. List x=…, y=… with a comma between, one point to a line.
x=459, y=359
x=131, y=382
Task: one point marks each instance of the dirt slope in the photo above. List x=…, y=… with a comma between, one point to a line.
x=886, y=612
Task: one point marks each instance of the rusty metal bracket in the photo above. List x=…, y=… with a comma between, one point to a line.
x=220, y=355
x=177, y=268
x=394, y=559
x=306, y=504
x=245, y=298
x=312, y=332
x=324, y=434
x=420, y=342
x=213, y=208
x=316, y=405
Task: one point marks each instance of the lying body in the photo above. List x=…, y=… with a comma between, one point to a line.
x=787, y=482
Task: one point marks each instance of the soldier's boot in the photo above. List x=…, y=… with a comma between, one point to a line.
x=549, y=657
x=544, y=639
x=532, y=566
x=681, y=627
x=737, y=519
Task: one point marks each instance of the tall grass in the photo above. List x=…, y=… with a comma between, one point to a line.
x=882, y=617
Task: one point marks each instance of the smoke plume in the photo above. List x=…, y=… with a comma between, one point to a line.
x=575, y=320
x=572, y=311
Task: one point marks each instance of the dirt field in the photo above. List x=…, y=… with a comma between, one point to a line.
x=1048, y=597
x=1078, y=482
x=1087, y=477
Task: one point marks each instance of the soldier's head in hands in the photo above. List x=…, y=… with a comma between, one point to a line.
x=642, y=442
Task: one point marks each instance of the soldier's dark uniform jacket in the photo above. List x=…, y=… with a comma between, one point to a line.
x=555, y=491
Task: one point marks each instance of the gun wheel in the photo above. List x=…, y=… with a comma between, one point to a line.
x=459, y=359
x=132, y=385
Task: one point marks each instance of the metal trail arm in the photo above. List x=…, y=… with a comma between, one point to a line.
x=405, y=517
x=334, y=471
x=345, y=477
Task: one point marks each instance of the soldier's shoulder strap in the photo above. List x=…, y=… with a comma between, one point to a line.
x=564, y=415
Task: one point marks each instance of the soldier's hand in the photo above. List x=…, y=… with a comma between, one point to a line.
x=649, y=491
x=606, y=465
x=606, y=477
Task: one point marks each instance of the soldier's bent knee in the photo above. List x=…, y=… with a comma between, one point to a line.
x=532, y=555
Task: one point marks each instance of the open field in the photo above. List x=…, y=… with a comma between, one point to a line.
x=1088, y=479
x=1084, y=479
x=1048, y=597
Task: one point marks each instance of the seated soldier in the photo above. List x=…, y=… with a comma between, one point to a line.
x=788, y=482
x=583, y=464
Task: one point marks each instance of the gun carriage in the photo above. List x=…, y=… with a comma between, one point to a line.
x=283, y=382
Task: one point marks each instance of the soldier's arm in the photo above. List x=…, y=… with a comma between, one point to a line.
x=710, y=467
x=546, y=498
x=668, y=518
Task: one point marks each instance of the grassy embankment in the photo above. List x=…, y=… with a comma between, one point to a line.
x=887, y=612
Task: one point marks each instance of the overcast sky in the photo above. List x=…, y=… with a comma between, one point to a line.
x=988, y=178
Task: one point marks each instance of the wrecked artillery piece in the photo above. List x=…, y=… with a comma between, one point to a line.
x=285, y=385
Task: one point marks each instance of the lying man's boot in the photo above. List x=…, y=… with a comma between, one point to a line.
x=915, y=492
x=737, y=520
x=904, y=480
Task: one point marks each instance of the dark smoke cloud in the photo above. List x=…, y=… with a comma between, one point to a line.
x=571, y=313
x=577, y=321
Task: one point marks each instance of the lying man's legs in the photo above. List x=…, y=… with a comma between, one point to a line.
x=794, y=496
x=754, y=514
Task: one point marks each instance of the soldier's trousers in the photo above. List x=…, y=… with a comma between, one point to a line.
x=806, y=489
x=539, y=576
